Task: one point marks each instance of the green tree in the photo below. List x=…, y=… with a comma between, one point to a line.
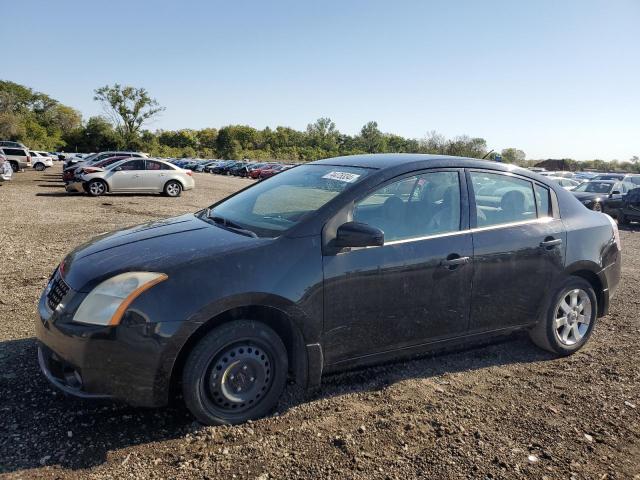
x=323, y=134
x=513, y=155
x=371, y=139
x=128, y=108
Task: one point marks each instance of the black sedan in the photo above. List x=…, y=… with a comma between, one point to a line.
x=330, y=265
x=602, y=195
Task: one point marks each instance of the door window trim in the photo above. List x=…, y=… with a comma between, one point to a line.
x=473, y=219
x=464, y=207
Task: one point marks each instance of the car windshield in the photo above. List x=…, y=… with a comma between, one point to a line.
x=594, y=187
x=273, y=206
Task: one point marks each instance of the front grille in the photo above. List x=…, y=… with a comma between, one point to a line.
x=57, y=292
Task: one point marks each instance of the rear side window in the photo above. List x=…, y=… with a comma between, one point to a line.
x=133, y=165
x=151, y=165
x=543, y=203
x=15, y=151
x=502, y=199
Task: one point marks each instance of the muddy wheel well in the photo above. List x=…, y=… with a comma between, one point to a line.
x=596, y=284
x=278, y=320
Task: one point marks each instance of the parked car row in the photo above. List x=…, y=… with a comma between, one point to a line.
x=238, y=168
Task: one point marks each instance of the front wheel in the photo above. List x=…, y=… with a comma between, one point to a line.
x=597, y=207
x=236, y=373
x=570, y=318
x=95, y=188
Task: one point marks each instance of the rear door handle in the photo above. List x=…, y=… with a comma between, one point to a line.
x=553, y=242
x=453, y=260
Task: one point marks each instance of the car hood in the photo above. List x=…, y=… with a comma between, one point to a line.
x=159, y=246
x=588, y=195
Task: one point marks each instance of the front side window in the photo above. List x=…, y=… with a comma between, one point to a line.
x=132, y=165
x=417, y=206
x=274, y=206
x=502, y=199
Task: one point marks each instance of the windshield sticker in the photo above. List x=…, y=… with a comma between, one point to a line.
x=342, y=176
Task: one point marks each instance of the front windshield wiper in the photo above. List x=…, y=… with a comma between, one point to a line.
x=226, y=223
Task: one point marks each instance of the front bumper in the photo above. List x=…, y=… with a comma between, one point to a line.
x=75, y=186
x=132, y=363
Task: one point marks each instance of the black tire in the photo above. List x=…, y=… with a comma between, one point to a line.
x=548, y=333
x=14, y=166
x=242, y=354
x=172, y=188
x=96, y=187
x=622, y=218
x=597, y=207
x=39, y=167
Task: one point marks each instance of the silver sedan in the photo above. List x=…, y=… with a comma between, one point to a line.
x=137, y=175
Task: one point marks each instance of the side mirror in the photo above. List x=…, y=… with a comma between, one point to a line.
x=356, y=234
x=118, y=169
x=615, y=192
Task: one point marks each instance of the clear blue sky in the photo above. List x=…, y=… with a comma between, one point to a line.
x=556, y=78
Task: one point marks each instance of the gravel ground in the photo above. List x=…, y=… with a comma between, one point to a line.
x=505, y=410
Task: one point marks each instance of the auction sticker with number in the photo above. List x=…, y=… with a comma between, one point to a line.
x=347, y=177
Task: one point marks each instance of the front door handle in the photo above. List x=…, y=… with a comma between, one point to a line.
x=551, y=242
x=454, y=260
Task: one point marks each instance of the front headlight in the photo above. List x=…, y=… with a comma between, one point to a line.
x=106, y=303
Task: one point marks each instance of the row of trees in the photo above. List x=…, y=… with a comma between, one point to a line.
x=43, y=123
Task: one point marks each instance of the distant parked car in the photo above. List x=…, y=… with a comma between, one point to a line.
x=6, y=172
x=75, y=183
x=70, y=166
x=566, y=183
x=270, y=172
x=18, y=158
x=602, y=195
x=623, y=177
x=40, y=160
x=11, y=144
x=629, y=210
x=138, y=175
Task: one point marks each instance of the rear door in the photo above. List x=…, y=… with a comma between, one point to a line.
x=154, y=176
x=519, y=249
x=414, y=289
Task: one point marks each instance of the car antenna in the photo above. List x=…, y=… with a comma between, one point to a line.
x=487, y=154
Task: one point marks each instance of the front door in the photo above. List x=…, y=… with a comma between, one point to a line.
x=127, y=177
x=414, y=289
x=519, y=247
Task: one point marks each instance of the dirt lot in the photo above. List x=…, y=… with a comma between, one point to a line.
x=505, y=410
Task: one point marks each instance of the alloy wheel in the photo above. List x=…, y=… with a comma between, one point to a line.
x=597, y=207
x=96, y=188
x=173, y=189
x=572, y=316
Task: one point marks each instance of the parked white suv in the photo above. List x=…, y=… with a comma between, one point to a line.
x=40, y=160
x=18, y=158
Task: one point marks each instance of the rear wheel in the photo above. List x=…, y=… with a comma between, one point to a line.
x=95, y=188
x=173, y=189
x=597, y=207
x=236, y=373
x=570, y=318
x=14, y=166
x=39, y=167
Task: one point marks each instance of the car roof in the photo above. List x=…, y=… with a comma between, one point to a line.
x=391, y=160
